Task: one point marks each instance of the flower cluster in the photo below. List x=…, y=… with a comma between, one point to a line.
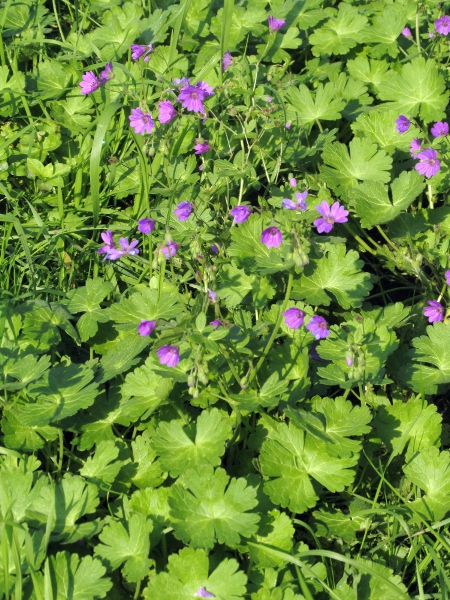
x=110, y=250
x=428, y=163
x=90, y=82
x=317, y=325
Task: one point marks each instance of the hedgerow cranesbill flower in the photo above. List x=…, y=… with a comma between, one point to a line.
x=89, y=83
x=240, y=213
x=415, y=147
x=108, y=238
x=428, y=164
x=212, y=295
x=271, y=237
x=201, y=146
x=275, y=24
x=434, y=312
x=146, y=225
x=299, y=204
x=293, y=182
x=406, y=31
x=170, y=249
x=318, y=327
x=169, y=355
x=402, y=124
x=184, y=211
x=126, y=248
x=294, y=318
x=330, y=215
x=447, y=277
x=146, y=327
x=226, y=61
x=166, y=112
x=202, y=593
x=141, y=122
x=106, y=74
x=443, y=25
x=439, y=129
x=214, y=248
x=216, y=323
x=192, y=96
x=137, y=51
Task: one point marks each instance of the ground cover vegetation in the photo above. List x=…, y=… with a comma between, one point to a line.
x=225, y=351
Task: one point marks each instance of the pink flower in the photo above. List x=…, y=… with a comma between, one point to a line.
x=330, y=215
x=240, y=213
x=216, y=323
x=202, y=146
x=447, y=277
x=203, y=593
x=89, y=83
x=434, y=312
x=299, y=204
x=192, y=96
x=212, y=295
x=146, y=327
x=402, y=124
x=141, y=122
x=288, y=125
x=428, y=164
x=271, y=237
x=170, y=249
x=415, y=147
x=106, y=74
x=318, y=327
x=137, y=51
x=293, y=182
x=169, y=355
x=214, y=248
x=406, y=31
x=126, y=248
x=183, y=211
x=275, y=24
x=166, y=112
x=294, y=318
x=146, y=225
x=442, y=25
x=226, y=61
x=108, y=238
x=439, y=129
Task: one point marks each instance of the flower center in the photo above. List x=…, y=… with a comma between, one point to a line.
x=329, y=220
x=194, y=95
x=430, y=161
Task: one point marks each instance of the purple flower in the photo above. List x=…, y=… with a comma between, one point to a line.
x=299, y=204
x=137, y=51
x=184, y=211
x=202, y=593
x=183, y=82
x=240, y=213
x=212, y=295
x=330, y=215
x=192, y=96
x=275, y=24
x=141, y=122
x=428, y=164
x=214, y=248
x=216, y=323
x=108, y=238
x=447, y=277
x=434, y=312
x=349, y=360
x=431, y=35
x=271, y=237
x=415, y=147
x=146, y=327
x=439, y=129
x=293, y=182
x=269, y=99
x=202, y=146
x=294, y=318
x=89, y=83
x=442, y=25
x=406, y=31
x=288, y=125
x=170, y=249
x=226, y=61
x=318, y=327
x=169, y=355
x=106, y=74
x=146, y=225
x=402, y=124
x=166, y=111
x=126, y=248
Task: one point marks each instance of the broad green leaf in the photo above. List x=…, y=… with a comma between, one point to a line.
x=275, y=530
x=145, y=306
x=308, y=12
x=20, y=487
x=430, y=471
x=413, y=425
x=368, y=71
x=419, y=90
x=102, y=466
x=379, y=127
x=334, y=523
x=278, y=44
x=371, y=587
x=235, y=284
x=24, y=369
x=322, y=106
x=382, y=34
x=121, y=358
x=336, y=276
x=87, y=299
x=243, y=20
x=353, y=92
x=290, y=460
x=18, y=436
x=11, y=88
x=373, y=203
x=189, y=570
x=340, y=33
x=180, y=448
x=148, y=472
x=74, y=113
x=208, y=507
x=127, y=542
x=53, y=79
x=343, y=168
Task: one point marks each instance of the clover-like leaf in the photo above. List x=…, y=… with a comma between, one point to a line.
x=208, y=507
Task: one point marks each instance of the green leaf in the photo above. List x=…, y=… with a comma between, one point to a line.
x=323, y=106
x=188, y=571
x=53, y=79
x=121, y=358
x=342, y=169
x=209, y=507
x=74, y=113
x=419, y=90
x=290, y=460
x=148, y=473
x=334, y=523
x=373, y=204
x=340, y=33
x=243, y=20
x=384, y=31
x=368, y=71
x=87, y=299
x=103, y=466
x=25, y=369
x=338, y=275
x=145, y=306
x=127, y=542
x=379, y=127
x=180, y=448
x=430, y=471
x=275, y=530
x=275, y=52
x=413, y=425
x=235, y=284
x=371, y=587
x=18, y=436
x=11, y=88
